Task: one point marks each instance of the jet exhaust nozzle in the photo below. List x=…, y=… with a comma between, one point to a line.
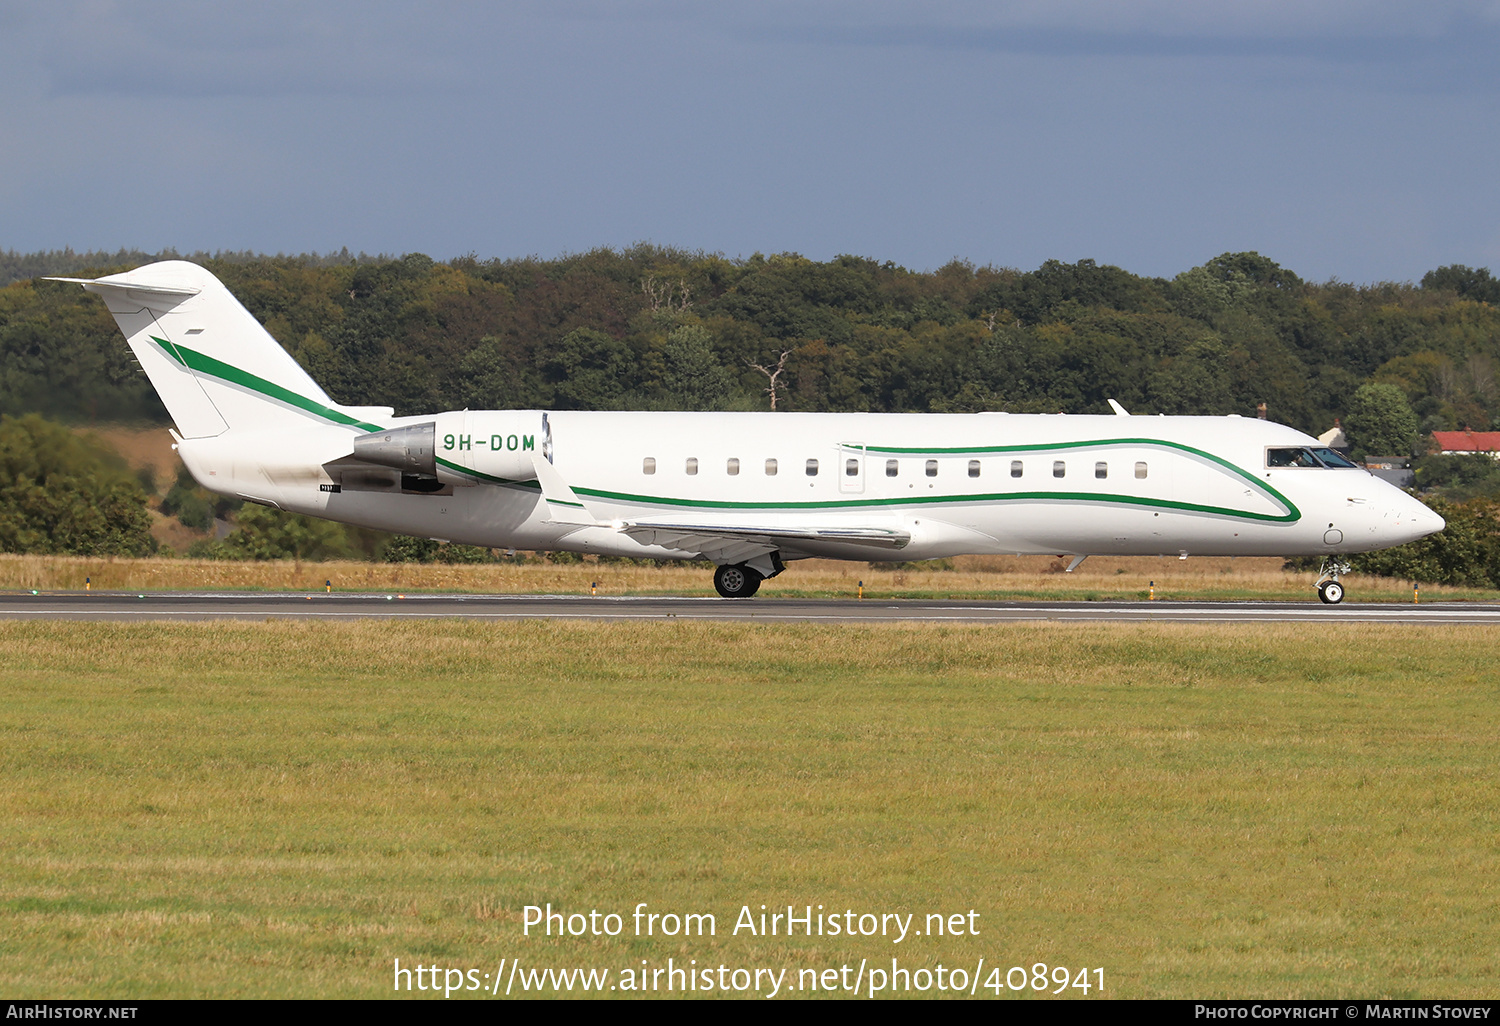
x=408, y=449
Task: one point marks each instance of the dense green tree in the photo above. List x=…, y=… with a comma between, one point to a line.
x=589, y=370
x=1381, y=422
x=1193, y=381
x=264, y=533
x=60, y=493
x=1459, y=477
x=1474, y=283
x=693, y=378
x=403, y=548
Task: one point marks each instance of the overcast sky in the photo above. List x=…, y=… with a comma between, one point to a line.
x=1350, y=139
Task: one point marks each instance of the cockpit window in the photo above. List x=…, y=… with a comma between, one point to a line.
x=1300, y=457
x=1331, y=458
x=1290, y=458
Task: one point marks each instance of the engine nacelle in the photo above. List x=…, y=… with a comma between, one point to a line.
x=460, y=448
x=489, y=446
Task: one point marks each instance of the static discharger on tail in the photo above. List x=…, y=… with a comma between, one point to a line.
x=751, y=492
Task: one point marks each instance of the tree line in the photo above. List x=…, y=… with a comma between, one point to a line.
x=658, y=328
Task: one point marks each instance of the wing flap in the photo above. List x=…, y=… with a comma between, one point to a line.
x=697, y=537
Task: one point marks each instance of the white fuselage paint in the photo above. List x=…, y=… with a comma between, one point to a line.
x=1206, y=489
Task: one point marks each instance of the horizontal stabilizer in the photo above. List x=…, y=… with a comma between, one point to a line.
x=122, y=283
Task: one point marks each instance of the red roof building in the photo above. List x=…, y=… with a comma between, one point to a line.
x=1455, y=442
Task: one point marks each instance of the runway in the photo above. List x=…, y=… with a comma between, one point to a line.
x=184, y=606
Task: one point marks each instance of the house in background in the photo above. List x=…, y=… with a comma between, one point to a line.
x=1335, y=438
x=1395, y=469
x=1463, y=443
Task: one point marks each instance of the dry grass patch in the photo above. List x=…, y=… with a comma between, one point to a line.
x=979, y=577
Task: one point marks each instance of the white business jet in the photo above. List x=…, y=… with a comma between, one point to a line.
x=749, y=491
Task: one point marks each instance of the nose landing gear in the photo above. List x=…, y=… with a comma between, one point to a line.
x=1329, y=588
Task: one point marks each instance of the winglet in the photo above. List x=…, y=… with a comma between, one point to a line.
x=1119, y=410
x=562, y=503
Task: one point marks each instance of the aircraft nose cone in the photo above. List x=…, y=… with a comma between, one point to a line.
x=1416, y=521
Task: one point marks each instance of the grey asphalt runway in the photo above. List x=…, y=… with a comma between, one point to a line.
x=128, y=607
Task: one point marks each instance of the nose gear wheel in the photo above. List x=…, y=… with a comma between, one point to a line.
x=1330, y=590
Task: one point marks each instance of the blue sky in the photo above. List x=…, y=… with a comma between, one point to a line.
x=1357, y=140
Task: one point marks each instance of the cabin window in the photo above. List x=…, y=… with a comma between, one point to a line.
x=1059, y=468
x=812, y=468
x=1140, y=471
x=1016, y=468
x=732, y=468
x=648, y=465
x=973, y=468
x=851, y=468
x=892, y=467
x=1101, y=470
x=771, y=467
x=692, y=465
x=932, y=468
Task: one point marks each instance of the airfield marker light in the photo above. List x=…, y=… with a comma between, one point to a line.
x=593, y=587
x=1152, y=593
x=88, y=584
x=328, y=585
x=861, y=591
x=1416, y=590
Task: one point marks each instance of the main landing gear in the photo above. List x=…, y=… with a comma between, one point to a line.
x=736, y=580
x=1329, y=588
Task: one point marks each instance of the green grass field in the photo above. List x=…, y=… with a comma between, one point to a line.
x=281, y=810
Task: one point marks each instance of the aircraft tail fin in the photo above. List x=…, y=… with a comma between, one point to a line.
x=214, y=366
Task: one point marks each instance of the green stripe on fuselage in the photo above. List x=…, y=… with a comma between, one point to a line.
x=947, y=500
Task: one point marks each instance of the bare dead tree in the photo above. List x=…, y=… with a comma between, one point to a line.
x=1481, y=376
x=772, y=375
x=663, y=295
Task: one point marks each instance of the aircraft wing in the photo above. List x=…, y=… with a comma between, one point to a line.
x=734, y=543
x=725, y=541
